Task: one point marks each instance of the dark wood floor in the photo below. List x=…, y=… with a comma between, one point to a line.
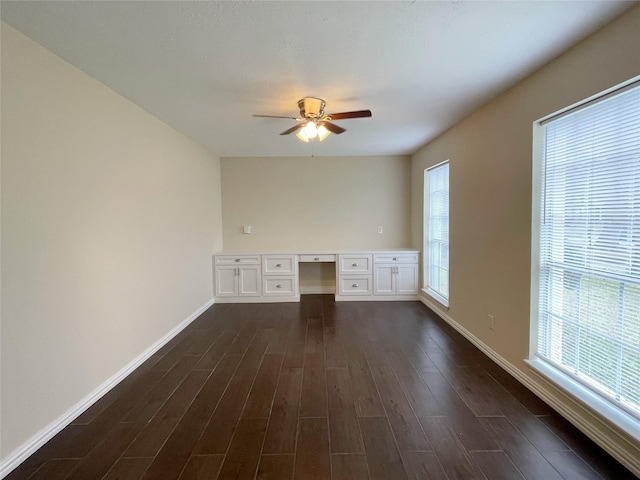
x=319, y=390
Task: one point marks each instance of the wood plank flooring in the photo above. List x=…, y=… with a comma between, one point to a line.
x=319, y=391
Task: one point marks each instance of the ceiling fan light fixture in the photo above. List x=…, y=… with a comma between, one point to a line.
x=311, y=107
x=323, y=133
x=302, y=136
x=310, y=130
x=314, y=123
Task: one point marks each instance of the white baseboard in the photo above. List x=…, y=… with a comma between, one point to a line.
x=261, y=299
x=19, y=455
x=605, y=434
x=376, y=298
x=317, y=290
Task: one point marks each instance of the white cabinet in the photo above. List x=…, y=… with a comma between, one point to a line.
x=322, y=257
x=396, y=257
x=354, y=274
x=359, y=276
x=238, y=276
x=238, y=281
x=280, y=276
x=395, y=279
x=384, y=276
x=395, y=274
x=354, y=285
x=357, y=264
x=278, y=287
x=407, y=279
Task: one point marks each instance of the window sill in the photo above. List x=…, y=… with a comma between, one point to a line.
x=438, y=298
x=618, y=417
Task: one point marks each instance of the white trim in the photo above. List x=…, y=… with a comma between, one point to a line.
x=261, y=299
x=317, y=290
x=536, y=211
x=375, y=298
x=19, y=455
x=433, y=295
x=610, y=427
x=588, y=397
x=614, y=441
x=432, y=167
x=583, y=103
x=426, y=226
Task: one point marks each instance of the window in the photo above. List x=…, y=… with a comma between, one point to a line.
x=586, y=250
x=436, y=234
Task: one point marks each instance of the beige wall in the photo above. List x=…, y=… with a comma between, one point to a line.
x=490, y=186
x=322, y=203
x=109, y=218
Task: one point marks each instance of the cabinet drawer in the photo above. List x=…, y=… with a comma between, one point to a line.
x=278, y=286
x=354, y=285
x=280, y=264
x=355, y=264
x=318, y=258
x=395, y=257
x=237, y=259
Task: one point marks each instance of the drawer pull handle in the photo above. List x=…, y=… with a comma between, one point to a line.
x=354, y=265
x=237, y=260
x=278, y=265
x=317, y=258
x=355, y=285
x=278, y=286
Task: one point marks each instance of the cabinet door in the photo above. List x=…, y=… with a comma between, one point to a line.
x=383, y=281
x=407, y=279
x=226, y=281
x=249, y=281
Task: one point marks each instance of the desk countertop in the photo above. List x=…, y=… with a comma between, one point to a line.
x=319, y=251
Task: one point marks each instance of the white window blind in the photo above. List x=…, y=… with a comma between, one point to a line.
x=589, y=247
x=438, y=231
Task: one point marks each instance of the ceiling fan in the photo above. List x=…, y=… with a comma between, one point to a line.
x=314, y=122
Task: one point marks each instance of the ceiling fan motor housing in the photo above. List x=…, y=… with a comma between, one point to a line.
x=311, y=107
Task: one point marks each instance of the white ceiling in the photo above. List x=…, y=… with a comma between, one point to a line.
x=206, y=67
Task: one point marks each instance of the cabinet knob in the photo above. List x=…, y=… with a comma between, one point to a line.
x=278, y=265
x=237, y=260
x=278, y=286
x=317, y=258
x=355, y=285
x=354, y=265
x=395, y=259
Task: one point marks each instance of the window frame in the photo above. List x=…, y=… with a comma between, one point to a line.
x=578, y=390
x=434, y=294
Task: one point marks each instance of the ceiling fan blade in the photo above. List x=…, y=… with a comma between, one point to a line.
x=333, y=128
x=293, y=129
x=344, y=115
x=276, y=116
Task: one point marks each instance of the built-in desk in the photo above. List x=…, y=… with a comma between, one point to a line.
x=317, y=273
x=349, y=275
x=317, y=258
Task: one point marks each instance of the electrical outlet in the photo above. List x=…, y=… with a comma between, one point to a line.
x=492, y=322
x=380, y=229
